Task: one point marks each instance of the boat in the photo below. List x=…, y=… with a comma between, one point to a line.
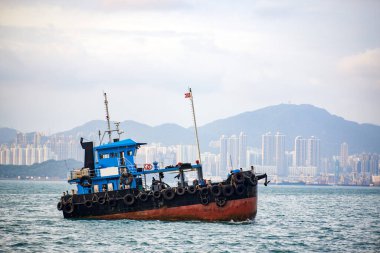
x=111, y=186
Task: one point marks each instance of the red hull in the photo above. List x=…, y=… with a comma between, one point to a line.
x=237, y=210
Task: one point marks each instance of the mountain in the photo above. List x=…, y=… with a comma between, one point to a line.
x=291, y=120
x=51, y=169
x=167, y=134
x=7, y=135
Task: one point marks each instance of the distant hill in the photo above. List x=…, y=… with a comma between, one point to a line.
x=166, y=134
x=51, y=169
x=7, y=135
x=291, y=120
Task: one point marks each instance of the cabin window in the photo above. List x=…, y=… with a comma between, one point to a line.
x=104, y=156
x=96, y=188
x=129, y=153
x=104, y=187
x=110, y=187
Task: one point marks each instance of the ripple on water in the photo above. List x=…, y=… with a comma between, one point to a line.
x=289, y=219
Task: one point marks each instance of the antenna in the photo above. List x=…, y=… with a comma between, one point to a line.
x=107, y=118
x=117, y=129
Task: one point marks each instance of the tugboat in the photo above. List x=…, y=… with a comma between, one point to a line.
x=112, y=186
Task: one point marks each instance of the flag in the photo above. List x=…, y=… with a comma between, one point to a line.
x=188, y=95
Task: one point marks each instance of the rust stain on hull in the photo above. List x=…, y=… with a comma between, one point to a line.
x=237, y=210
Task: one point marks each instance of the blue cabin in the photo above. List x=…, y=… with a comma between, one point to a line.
x=111, y=167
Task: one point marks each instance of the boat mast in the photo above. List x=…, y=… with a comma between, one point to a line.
x=199, y=170
x=195, y=125
x=107, y=118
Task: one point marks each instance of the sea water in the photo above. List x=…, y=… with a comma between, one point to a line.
x=289, y=218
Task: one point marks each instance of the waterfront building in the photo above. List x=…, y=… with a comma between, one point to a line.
x=254, y=157
x=313, y=152
x=21, y=139
x=186, y=153
x=242, y=150
x=268, y=150
x=343, y=155
x=280, y=154
x=233, y=152
x=210, y=165
x=223, y=153
x=300, y=146
x=273, y=152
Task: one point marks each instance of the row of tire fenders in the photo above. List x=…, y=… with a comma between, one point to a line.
x=219, y=191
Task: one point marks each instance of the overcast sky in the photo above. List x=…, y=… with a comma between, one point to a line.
x=56, y=58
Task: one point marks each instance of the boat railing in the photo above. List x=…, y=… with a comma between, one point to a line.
x=79, y=173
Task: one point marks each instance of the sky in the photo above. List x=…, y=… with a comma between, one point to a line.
x=57, y=58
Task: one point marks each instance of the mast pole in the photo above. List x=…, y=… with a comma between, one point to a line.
x=107, y=118
x=195, y=125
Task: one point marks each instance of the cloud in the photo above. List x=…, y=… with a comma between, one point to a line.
x=237, y=56
x=365, y=65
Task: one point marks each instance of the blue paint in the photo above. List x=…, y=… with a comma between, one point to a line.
x=121, y=155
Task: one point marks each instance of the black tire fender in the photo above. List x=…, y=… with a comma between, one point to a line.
x=239, y=189
x=205, y=200
x=191, y=189
x=180, y=191
x=68, y=208
x=156, y=194
x=126, y=178
x=216, y=190
x=238, y=178
x=88, y=203
x=228, y=190
x=220, y=202
x=253, y=179
x=143, y=196
x=129, y=199
x=102, y=200
x=60, y=206
x=168, y=194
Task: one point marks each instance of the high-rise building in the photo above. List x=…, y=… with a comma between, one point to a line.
x=223, y=154
x=186, y=153
x=4, y=155
x=268, y=150
x=313, y=152
x=233, y=152
x=306, y=151
x=37, y=139
x=21, y=139
x=374, y=165
x=254, y=157
x=209, y=164
x=300, y=146
x=242, y=150
x=280, y=159
x=343, y=155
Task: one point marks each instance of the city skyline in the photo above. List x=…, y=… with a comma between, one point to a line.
x=294, y=120
x=58, y=57
x=302, y=163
